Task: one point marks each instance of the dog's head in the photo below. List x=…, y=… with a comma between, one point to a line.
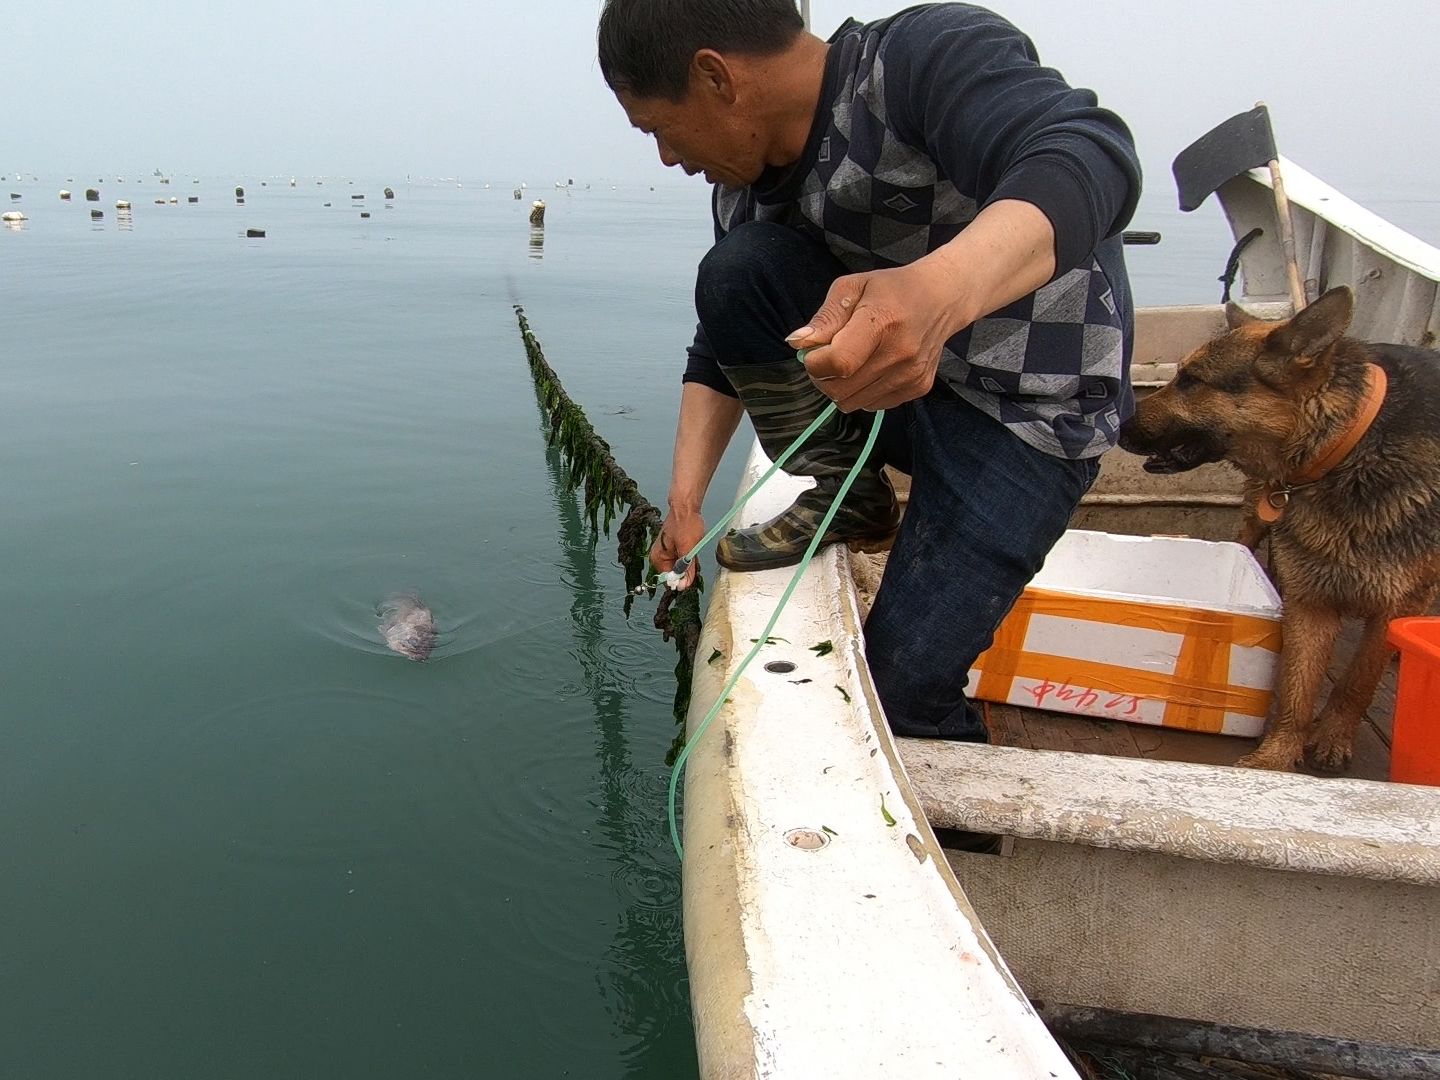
x=1240, y=397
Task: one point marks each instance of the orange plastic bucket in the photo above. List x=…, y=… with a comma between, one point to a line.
x=1415, y=741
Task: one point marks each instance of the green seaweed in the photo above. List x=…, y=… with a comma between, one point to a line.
x=825, y=648
x=607, y=492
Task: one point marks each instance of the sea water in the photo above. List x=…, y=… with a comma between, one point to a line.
x=238, y=836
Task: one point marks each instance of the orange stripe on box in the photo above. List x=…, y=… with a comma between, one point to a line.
x=1204, y=661
x=1115, y=679
x=1251, y=631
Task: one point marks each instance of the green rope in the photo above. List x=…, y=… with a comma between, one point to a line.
x=775, y=615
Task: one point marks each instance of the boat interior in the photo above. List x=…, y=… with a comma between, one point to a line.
x=1075, y=872
x=1105, y=828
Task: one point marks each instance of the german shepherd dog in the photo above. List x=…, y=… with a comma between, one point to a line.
x=1339, y=442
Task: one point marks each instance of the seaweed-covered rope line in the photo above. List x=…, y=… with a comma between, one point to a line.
x=607, y=486
x=609, y=489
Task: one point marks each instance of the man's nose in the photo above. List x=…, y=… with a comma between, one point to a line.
x=668, y=157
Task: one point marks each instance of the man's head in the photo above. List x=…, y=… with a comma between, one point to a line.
x=684, y=71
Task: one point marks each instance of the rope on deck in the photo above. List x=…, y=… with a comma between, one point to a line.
x=608, y=489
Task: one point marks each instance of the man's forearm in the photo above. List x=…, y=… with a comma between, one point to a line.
x=707, y=422
x=1007, y=252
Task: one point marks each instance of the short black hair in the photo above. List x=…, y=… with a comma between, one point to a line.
x=646, y=45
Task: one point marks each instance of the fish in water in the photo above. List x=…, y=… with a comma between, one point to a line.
x=408, y=626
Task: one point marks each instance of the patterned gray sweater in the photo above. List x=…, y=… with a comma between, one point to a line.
x=925, y=118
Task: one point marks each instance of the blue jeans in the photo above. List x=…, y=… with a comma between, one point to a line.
x=985, y=507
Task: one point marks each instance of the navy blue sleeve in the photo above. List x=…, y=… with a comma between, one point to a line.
x=968, y=87
x=702, y=367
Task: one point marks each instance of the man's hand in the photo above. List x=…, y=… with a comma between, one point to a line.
x=680, y=532
x=876, y=341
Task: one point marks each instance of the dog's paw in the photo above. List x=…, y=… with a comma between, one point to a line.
x=1329, y=750
x=1275, y=758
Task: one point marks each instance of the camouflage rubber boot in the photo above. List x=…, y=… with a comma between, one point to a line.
x=782, y=402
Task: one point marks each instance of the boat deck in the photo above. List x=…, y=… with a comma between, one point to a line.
x=1036, y=729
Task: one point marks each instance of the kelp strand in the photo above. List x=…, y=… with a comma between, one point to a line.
x=606, y=491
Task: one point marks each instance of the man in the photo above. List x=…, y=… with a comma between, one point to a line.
x=935, y=217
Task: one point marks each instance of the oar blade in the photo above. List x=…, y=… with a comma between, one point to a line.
x=1245, y=141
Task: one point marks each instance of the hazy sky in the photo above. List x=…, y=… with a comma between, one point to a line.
x=509, y=92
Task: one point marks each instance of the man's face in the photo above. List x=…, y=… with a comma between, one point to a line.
x=702, y=133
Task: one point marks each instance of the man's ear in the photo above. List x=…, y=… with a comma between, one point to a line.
x=1314, y=329
x=710, y=73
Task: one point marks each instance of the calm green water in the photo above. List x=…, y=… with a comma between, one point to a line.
x=238, y=837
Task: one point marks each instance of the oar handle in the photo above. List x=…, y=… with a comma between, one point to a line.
x=1287, y=233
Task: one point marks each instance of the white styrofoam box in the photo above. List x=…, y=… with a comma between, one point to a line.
x=1151, y=629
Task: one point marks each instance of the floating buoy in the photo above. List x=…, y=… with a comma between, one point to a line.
x=193, y=199
x=537, y=213
x=327, y=204
x=64, y=195
x=12, y=216
x=239, y=202
x=96, y=215
x=364, y=213
x=159, y=202
x=174, y=201
x=92, y=195
x=292, y=181
x=389, y=193
x=14, y=195
x=122, y=204
x=163, y=180
x=357, y=196
x=518, y=193
x=255, y=234
x=239, y=193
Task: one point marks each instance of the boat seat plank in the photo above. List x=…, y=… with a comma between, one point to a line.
x=1281, y=821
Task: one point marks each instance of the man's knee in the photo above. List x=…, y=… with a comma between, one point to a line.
x=746, y=265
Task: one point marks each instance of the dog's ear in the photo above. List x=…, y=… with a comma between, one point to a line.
x=1237, y=317
x=1314, y=329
